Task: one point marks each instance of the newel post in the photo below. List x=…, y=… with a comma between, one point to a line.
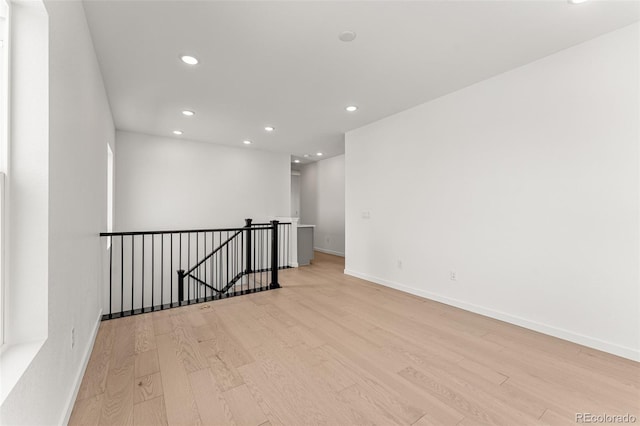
x=180, y=286
x=274, y=255
x=249, y=246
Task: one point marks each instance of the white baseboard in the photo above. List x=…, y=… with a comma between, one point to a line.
x=327, y=251
x=560, y=333
x=78, y=379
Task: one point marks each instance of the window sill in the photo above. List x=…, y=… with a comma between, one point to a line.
x=14, y=361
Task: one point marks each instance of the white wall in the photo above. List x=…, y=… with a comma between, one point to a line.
x=526, y=185
x=295, y=194
x=309, y=194
x=322, y=203
x=169, y=183
x=80, y=127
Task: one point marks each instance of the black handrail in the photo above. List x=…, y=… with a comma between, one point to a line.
x=180, y=231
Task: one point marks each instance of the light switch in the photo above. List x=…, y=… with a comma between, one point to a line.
x=366, y=215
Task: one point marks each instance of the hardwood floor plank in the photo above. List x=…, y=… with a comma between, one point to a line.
x=565, y=372
x=486, y=373
x=211, y=405
x=203, y=333
x=223, y=343
x=246, y=330
x=145, y=335
x=369, y=407
x=146, y=363
x=280, y=315
x=196, y=319
x=408, y=401
x=472, y=404
x=274, y=420
x=286, y=398
x=117, y=407
x=178, y=398
x=150, y=413
x=95, y=377
x=148, y=387
x=86, y=412
x=187, y=346
x=307, y=337
x=429, y=420
x=226, y=375
x=161, y=322
x=244, y=408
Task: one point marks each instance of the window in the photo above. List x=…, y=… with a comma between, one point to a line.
x=4, y=134
x=24, y=158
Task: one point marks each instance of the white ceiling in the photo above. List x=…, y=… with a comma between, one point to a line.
x=281, y=63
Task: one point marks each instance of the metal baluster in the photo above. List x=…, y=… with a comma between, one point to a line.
x=121, y=274
x=142, y=284
x=153, y=272
x=171, y=274
x=227, y=248
x=161, y=271
x=180, y=284
x=205, y=266
x=110, y=275
x=242, y=268
x=212, y=265
x=188, y=267
x=274, y=254
x=197, y=293
x=261, y=254
x=133, y=237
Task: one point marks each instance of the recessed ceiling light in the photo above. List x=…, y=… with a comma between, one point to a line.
x=577, y=1
x=247, y=142
x=189, y=60
x=319, y=154
x=347, y=36
x=351, y=108
x=177, y=132
x=188, y=113
x=269, y=129
x=296, y=161
x=306, y=155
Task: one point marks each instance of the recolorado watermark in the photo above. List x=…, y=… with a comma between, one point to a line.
x=605, y=418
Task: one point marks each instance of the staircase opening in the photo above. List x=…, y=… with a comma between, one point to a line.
x=155, y=270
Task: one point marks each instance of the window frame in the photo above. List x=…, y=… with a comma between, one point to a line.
x=5, y=47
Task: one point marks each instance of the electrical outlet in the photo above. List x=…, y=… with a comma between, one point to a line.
x=399, y=264
x=453, y=276
x=73, y=337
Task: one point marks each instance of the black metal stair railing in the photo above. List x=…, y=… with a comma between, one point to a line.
x=155, y=270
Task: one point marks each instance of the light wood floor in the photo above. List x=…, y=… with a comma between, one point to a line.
x=332, y=349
